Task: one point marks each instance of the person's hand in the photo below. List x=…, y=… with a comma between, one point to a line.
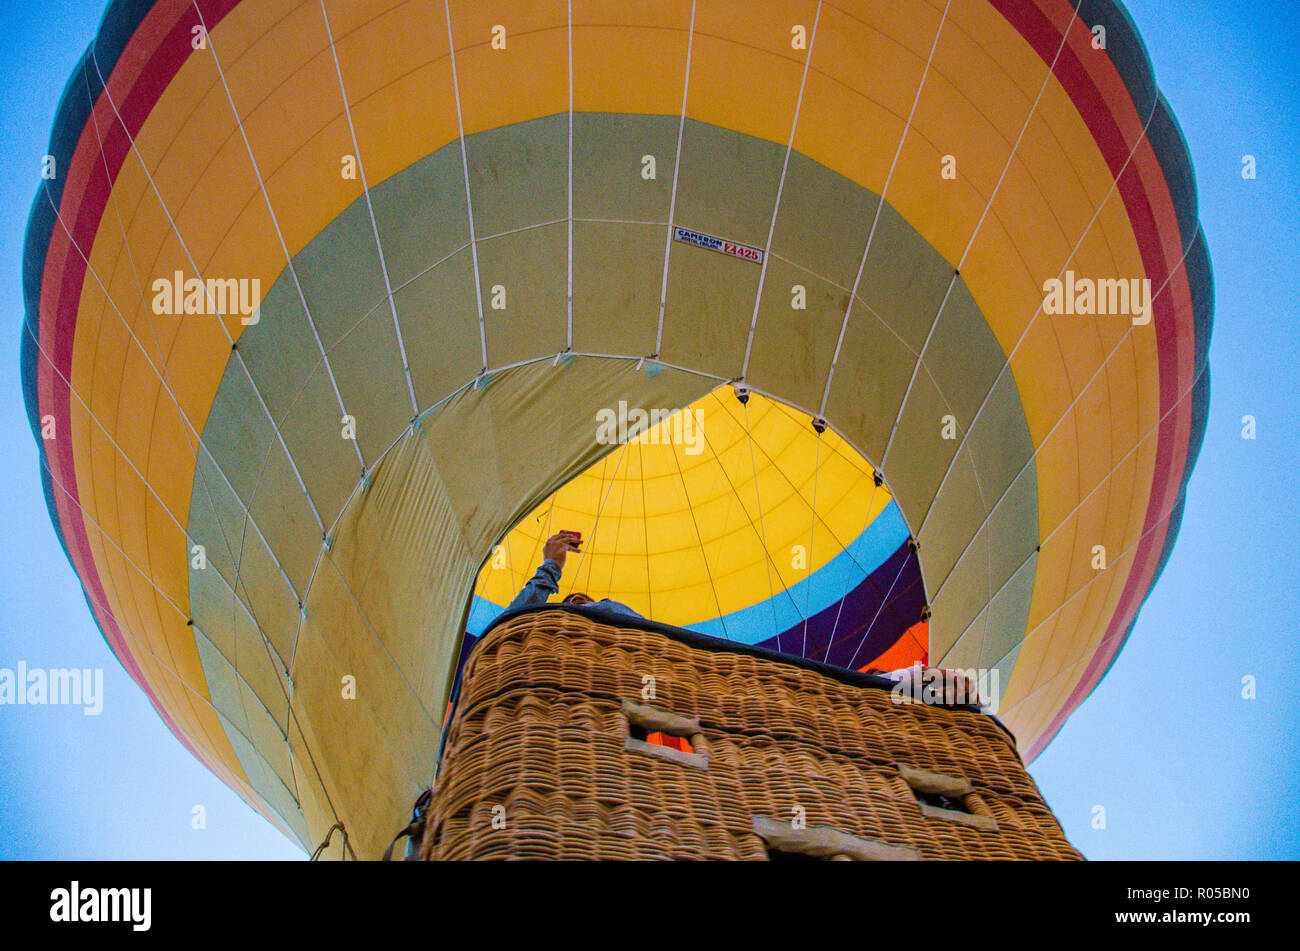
x=960, y=687
x=560, y=544
x=943, y=685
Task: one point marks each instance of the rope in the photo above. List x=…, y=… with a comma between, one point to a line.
x=883, y=602
x=326, y=841
x=762, y=528
x=812, y=533
x=712, y=585
x=618, y=530
x=871, y=501
x=649, y=591
x=595, y=525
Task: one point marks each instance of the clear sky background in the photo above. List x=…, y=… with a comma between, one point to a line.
x=1182, y=765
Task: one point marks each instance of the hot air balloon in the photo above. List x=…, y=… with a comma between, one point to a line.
x=329, y=304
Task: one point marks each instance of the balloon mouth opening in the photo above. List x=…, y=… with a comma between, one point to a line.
x=746, y=519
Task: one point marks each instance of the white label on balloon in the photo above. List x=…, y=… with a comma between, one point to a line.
x=722, y=245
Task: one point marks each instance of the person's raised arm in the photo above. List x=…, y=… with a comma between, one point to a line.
x=546, y=580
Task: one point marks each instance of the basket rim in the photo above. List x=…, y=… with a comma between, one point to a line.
x=708, y=642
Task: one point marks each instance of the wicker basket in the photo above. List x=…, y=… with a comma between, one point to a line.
x=552, y=754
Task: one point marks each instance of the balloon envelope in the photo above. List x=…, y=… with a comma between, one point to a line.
x=325, y=301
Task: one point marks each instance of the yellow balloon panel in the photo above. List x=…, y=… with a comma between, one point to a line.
x=706, y=512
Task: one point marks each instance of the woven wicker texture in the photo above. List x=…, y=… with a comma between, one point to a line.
x=535, y=765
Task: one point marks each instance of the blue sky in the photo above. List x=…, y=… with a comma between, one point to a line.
x=1183, y=766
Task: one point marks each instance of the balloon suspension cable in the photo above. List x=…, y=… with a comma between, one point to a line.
x=596, y=524
x=866, y=575
x=812, y=530
x=347, y=846
x=699, y=536
x=762, y=527
x=912, y=546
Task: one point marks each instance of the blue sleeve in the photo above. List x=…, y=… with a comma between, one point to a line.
x=544, y=583
x=615, y=607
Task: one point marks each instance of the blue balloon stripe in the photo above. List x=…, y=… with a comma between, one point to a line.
x=812, y=596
